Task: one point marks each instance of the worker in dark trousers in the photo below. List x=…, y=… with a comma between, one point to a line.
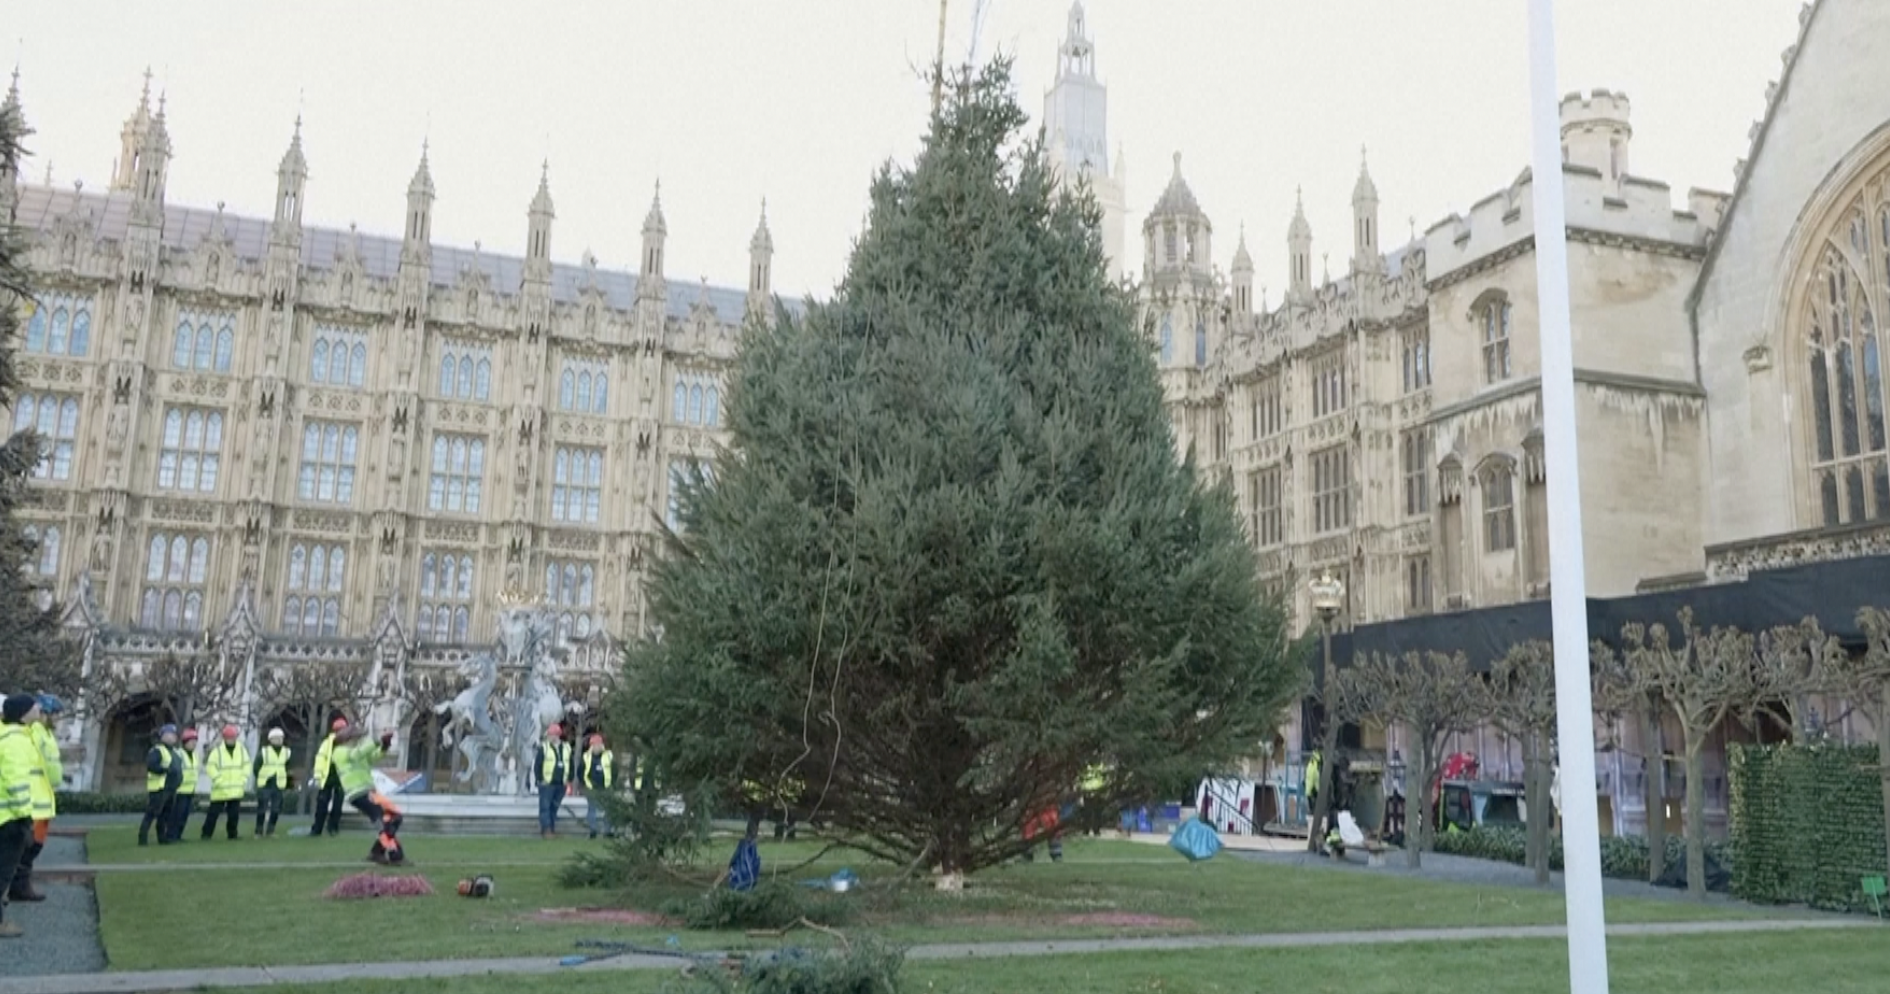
x=187, y=789
x=551, y=771
x=228, y=766
x=272, y=778
x=327, y=781
x=45, y=804
x=163, y=773
x=19, y=764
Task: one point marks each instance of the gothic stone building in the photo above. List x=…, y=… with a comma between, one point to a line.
x=277, y=442
x=1386, y=425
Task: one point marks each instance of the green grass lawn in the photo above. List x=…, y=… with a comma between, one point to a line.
x=278, y=916
x=1826, y=962
x=119, y=845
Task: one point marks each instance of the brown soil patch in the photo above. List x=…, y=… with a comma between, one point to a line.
x=598, y=916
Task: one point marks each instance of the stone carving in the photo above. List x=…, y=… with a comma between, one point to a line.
x=496, y=737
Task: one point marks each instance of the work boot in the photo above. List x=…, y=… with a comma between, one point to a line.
x=26, y=894
x=8, y=930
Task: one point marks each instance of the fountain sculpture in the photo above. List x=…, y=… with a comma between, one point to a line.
x=494, y=733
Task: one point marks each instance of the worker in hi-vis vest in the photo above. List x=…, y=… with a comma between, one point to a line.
x=271, y=771
x=327, y=783
x=551, y=772
x=228, y=765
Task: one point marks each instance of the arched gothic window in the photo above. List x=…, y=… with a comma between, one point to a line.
x=1200, y=343
x=1849, y=288
x=1499, y=509
x=1168, y=340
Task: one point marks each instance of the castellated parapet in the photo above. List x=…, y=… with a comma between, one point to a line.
x=1634, y=210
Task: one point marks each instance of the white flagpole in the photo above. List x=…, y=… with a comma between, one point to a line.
x=1575, y=716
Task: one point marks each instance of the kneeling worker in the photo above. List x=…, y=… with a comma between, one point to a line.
x=355, y=756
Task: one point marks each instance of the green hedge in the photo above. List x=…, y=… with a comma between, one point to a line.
x=91, y=803
x=1624, y=858
x=1808, y=821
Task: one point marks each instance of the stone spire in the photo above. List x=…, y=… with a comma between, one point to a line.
x=538, y=230
x=760, y=265
x=417, y=243
x=1243, y=275
x=655, y=232
x=9, y=173
x=1364, y=219
x=291, y=178
x=1299, y=250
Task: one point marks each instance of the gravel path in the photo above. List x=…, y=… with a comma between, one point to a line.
x=61, y=932
x=199, y=980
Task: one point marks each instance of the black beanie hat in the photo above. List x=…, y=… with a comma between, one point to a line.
x=15, y=708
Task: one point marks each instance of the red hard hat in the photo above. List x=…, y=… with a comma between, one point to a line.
x=230, y=732
x=189, y=733
x=555, y=731
x=340, y=723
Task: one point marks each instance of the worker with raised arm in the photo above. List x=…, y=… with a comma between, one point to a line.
x=271, y=771
x=354, y=757
x=228, y=766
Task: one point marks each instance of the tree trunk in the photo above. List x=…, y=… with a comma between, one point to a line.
x=1655, y=794
x=1536, y=796
x=1418, y=816
x=1696, y=814
x=1322, y=805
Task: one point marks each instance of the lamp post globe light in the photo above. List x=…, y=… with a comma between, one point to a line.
x=1328, y=596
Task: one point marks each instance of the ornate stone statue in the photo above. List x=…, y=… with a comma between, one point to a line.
x=496, y=737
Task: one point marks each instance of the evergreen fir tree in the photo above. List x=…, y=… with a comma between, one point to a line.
x=950, y=561
x=33, y=659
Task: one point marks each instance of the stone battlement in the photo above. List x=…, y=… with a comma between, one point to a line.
x=1635, y=208
x=1599, y=107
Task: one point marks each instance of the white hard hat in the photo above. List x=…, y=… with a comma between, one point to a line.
x=275, y=735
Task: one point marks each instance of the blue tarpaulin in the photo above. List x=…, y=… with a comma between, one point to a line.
x=744, y=868
x=1196, y=840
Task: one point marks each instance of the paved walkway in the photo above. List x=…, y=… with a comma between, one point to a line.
x=63, y=929
x=189, y=980
x=92, y=869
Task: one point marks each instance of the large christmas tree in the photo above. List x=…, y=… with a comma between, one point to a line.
x=951, y=563
x=32, y=658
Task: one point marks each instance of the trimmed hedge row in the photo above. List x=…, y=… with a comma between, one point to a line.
x=1808, y=821
x=1623, y=858
x=93, y=803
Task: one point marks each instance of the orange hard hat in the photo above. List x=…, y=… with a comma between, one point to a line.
x=230, y=732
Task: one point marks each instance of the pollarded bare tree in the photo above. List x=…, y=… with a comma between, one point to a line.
x=1434, y=695
x=1626, y=695
x=313, y=694
x=1794, y=664
x=1703, y=680
x=188, y=690
x=1522, y=704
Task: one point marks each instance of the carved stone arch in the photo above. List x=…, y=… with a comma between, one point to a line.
x=1493, y=463
x=1830, y=308
x=1491, y=295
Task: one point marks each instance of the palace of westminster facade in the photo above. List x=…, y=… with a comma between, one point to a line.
x=291, y=442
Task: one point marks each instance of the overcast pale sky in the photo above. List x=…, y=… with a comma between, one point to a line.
x=799, y=100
